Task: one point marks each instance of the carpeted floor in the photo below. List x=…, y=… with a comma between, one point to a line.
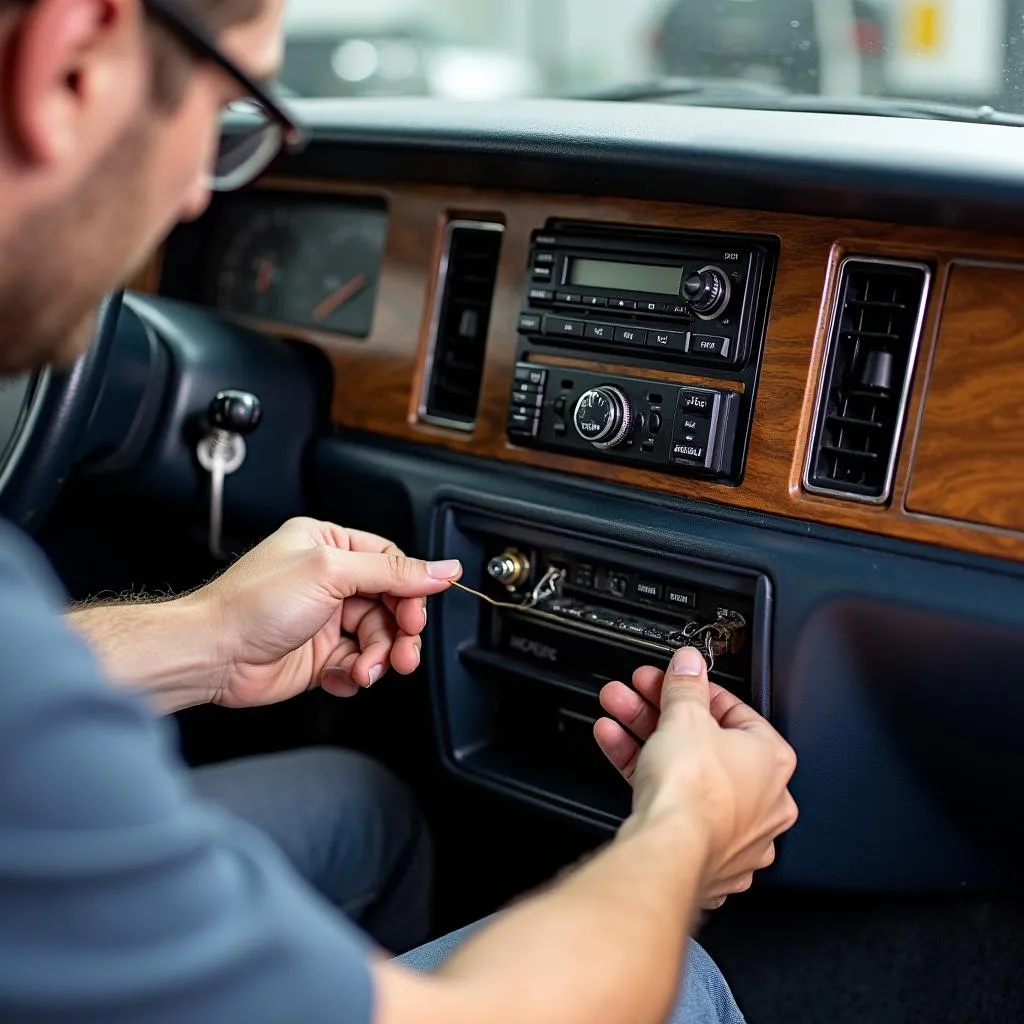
x=797, y=959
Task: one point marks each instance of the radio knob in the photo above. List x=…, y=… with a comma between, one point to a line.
x=707, y=292
x=603, y=416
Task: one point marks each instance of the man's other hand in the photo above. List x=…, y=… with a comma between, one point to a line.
x=704, y=755
x=316, y=604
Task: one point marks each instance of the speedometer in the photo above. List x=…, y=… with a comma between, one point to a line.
x=307, y=263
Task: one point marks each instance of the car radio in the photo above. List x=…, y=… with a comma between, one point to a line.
x=575, y=613
x=682, y=298
x=662, y=426
x=681, y=301
x=553, y=613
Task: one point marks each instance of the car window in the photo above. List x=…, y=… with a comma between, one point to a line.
x=956, y=55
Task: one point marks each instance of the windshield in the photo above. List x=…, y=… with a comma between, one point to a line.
x=964, y=52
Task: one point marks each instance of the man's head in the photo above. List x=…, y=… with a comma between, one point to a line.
x=108, y=131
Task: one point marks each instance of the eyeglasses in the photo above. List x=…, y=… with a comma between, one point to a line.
x=247, y=151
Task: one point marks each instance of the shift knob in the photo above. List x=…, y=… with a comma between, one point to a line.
x=237, y=411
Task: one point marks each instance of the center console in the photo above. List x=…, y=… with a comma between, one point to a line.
x=565, y=611
x=658, y=303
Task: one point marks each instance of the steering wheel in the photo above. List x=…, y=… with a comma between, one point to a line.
x=43, y=420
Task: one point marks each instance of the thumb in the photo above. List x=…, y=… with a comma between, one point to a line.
x=373, y=574
x=686, y=681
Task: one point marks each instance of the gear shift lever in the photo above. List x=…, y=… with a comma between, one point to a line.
x=232, y=416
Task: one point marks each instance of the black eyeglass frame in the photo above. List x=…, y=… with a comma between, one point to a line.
x=179, y=19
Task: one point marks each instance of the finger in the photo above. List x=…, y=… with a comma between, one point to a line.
x=344, y=574
x=338, y=683
x=686, y=682
x=410, y=613
x=731, y=713
x=406, y=654
x=618, y=746
x=629, y=708
x=377, y=633
x=648, y=681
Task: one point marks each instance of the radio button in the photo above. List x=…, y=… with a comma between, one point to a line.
x=651, y=307
x=680, y=598
x=540, y=295
x=673, y=310
x=630, y=335
x=600, y=332
x=685, y=454
x=544, y=258
x=654, y=422
x=646, y=590
x=624, y=304
x=674, y=341
x=596, y=301
x=711, y=346
x=582, y=575
x=692, y=429
x=531, y=375
x=529, y=324
x=527, y=403
x=700, y=402
x=542, y=273
x=525, y=387
x=569, y=298
x=559, y=405
x=556, y=325
x=521, y=423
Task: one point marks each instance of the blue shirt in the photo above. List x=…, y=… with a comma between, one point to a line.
x=122, y=896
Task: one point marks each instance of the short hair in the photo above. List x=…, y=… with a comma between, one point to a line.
x=172, y=59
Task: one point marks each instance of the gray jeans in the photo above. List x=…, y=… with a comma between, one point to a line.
x=354, y=833
x=347, y=825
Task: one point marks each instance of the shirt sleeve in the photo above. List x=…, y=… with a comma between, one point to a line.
x=122, y=897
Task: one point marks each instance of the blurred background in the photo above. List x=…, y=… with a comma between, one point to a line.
x=962, y=51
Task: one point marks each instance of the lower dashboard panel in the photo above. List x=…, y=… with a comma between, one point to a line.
x=893, y=668
x=520, y=710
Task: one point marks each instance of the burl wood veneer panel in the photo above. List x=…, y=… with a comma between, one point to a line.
x=969, y=462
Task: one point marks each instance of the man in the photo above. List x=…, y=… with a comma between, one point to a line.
x=123, y=895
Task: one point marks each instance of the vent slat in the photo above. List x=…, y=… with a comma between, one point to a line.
x=465, y=295
x=866, y=377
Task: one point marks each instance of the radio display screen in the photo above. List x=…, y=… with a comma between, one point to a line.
x=634, y=277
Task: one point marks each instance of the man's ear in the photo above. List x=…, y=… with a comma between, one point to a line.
x=72, y=70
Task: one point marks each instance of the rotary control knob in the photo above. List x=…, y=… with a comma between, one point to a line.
x=707, y=292
x=603, y=416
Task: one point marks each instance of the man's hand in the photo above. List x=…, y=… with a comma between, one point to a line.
x=705, y=755
x=316, y=604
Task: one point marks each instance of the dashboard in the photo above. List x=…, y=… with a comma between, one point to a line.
x=361, y=271
x=719, y=380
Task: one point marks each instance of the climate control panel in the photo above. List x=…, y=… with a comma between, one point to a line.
x=670, y=427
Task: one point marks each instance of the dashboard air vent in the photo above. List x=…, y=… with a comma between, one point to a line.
x=865, y=378
x=462, y=315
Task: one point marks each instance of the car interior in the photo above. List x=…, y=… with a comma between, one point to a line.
x=751, y=380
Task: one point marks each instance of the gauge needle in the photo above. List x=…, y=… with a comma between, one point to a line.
x=339, y=297
x=265, y=274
